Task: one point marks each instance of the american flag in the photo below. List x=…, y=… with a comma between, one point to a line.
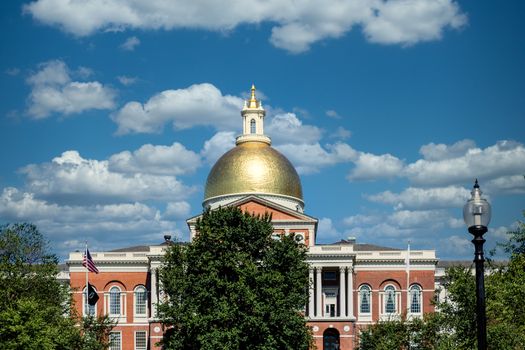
x=88, y=262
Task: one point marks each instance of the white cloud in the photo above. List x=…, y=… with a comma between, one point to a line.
x=505, y=158
x=177, y=210
x=54, y=92
x=436, y=152
x=411, y=21
x=310, y=158
x=333, y=114
x=499, y=234
x=159, y=160
x=341, y=133
x=72, y=179
x=130, y=43
x=326, y=230
x=360, y=219
x=83, y=72
x=422, y=219
x=371, y=167
x=287, y=128
x=423, y=198
x=455, y=245
x=110, y=225
x=197, y=105
x=126, y=81
x=217, y=145
x=297, y=24
x=514, y=184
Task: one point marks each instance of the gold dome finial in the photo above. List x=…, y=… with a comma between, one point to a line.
x=253, y=100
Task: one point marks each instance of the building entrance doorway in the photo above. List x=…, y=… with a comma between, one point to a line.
x=331, y=339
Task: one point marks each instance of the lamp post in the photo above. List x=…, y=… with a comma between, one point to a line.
x=476, y=214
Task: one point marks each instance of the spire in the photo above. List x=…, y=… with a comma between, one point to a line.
x=253, y=103
x=253, y=120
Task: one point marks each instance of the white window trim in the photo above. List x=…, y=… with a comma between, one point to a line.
x=135, y=314
x=120, y=335
x=135, y=340
x=364, y=316
x=420, y=313
x=123, y=306
x=84, y=302
x=334, y=290
x=383, y=300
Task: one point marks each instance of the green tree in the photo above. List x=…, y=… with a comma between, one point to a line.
x=234, y=287
x=35, y=308
x=95, y=332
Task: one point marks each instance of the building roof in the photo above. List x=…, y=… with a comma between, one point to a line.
x=360, y=247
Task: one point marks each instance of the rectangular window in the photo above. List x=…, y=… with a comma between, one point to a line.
x=141, y=299
x=329, y=276
x=141, y=340
x=115, y=342
x=330, y=310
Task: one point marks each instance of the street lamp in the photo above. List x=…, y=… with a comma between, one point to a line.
x=476, y=214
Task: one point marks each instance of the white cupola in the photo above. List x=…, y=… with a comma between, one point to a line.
x=253, y=121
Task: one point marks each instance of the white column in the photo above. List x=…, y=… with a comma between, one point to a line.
x=311, y=294
x=350, y=292
x=342, y=291
x=318, y=292
x=153, y=293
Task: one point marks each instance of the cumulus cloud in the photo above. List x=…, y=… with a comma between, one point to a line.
x=505, y=158
x=73, y=179
x=177, y=210
x=436, y=152
x=361, y=219
x=423, y=198
x=197, y=105
x=217, y=145
x=411, y=21
x=296, y=24
x=514, y=184
x=310, y=158
x=326, y=230
x=53, y=91
x=371, y=167
x=287, y=128
x=158, y=160
x=130, y=43
x=69, y=225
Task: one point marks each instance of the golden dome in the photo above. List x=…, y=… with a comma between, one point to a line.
x=253, y=167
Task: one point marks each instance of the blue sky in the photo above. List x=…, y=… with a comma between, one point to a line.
x=113, y=112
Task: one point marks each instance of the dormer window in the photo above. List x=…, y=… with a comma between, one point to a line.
x=252, y=126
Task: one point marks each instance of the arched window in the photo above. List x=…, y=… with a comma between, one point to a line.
x=364, y=299
x=114, y=301
x=88, y=309
x=415, y=299
x=390, y=299
x=141, y=300
x=252, y=126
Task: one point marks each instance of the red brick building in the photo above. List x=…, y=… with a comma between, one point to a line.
x=352, y=284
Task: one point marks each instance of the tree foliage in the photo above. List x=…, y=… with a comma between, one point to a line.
x=453, y=325
x=35, y=308
x=234, y=287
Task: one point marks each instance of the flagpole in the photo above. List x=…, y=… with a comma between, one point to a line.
x=408, y=277
x=86, y=307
